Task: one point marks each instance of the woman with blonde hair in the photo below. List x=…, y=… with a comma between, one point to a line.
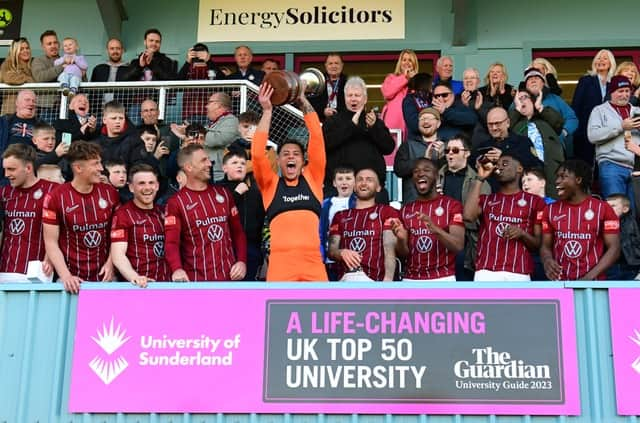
x=630, y=70
x=496, y=90
x=15, y=70
x=550, y=74
x=591, y=91
x=394, y=89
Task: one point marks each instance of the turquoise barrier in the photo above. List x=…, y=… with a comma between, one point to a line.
x=37, y=325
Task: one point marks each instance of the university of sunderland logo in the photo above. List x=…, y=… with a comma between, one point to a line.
x=358, y=244
x=636, y=339
x=92, y=239
x=108, y=367
x=16, y=227
x=573, y=249
x=214, y=233
x=424, y=244
x=500, y=228
x=158, y=249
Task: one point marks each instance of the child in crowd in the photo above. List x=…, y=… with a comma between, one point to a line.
x=628, y=265
x=49, y=158
x=116, y=175
x=534, y=182
x=158, y=152
x=344, y=181
x=249, y=202
x=247, y=123
x=71, y=76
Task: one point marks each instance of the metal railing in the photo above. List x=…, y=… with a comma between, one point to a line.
x=178, y=101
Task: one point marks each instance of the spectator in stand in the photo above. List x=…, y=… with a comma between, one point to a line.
x=18, y=127
x=394, y=90
x=15, y=70
x=157, y=153
x=344, y=182
x=203, y=234
x=79, y=122
x=496, y=91
x=418, y=98
x=361, y=239
x=509, y=230
x=504, y=141
x=222, y=130
x=455, y=116
x=193, y=134
x=47, y=153
x=269, y=65
x=535, y=84
x=630, y=70
x=356, y=138
x=580, y=234
x=21, y=204
x=471, y=96
x=42, y=67
x=115, y=174
x=455, y=180
x=137, y=231
x=541, y=125
x=199, y=65
x=444, y=72
x=431, y=230
x=332, y=99
x=243, y=57
x=150, y=115
x=151, y=64
x=607, y=126
x=247, y=125
x=114, y=69
x=534, y=182
x=628, y=265
x=117, y=140
x=591, y=92
x=76, y=242
x=75, y=70
x=428, y=145
x=248, y=199
x=549, y=73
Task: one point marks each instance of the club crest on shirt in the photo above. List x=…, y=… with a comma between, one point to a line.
x=219, y=198
x=589, y=214
x=102, y=203
x=439, y=211
x=522, y=202
x=373, y=216
x=38, y=194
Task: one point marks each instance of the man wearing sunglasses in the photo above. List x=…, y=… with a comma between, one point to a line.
x=455, y=116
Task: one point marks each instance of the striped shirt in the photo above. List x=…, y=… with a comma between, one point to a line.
x=428, y=257
x=499, y=211
x=22, y=222
x=143, y=231
x=84, y=221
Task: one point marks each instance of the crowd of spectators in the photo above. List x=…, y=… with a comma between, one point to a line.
x=500, y=182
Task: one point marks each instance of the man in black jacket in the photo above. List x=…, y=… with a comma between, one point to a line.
x=151, y=65
x=356, y=138
x=114, y=69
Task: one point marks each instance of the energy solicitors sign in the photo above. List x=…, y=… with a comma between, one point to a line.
x=289, y=20
x=413, y=351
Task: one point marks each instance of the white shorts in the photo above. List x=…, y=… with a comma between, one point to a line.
x=485, y=275
x=451, y=278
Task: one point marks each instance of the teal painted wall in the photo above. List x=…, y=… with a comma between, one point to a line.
x=494, y=29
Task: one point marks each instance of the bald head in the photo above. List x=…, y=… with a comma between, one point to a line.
x=498, y=123
x=26, y=104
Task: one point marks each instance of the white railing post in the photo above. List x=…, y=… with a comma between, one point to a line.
x=243, y=98
x=162, y=102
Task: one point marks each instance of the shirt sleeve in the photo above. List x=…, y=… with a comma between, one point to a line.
x=172, y=230
x=455, y=213
x=120, y=227
x=611, y=221
x=543, y=219
x=51, y=209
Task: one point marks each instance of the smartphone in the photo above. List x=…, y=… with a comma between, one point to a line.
x=66, y=138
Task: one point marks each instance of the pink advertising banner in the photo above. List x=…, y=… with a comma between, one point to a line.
x=332, y=350
x=625, y=336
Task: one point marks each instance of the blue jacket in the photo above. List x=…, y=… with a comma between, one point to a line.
x=324, y=223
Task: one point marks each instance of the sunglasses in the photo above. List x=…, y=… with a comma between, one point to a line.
x=454, y=150
x=441, y=95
